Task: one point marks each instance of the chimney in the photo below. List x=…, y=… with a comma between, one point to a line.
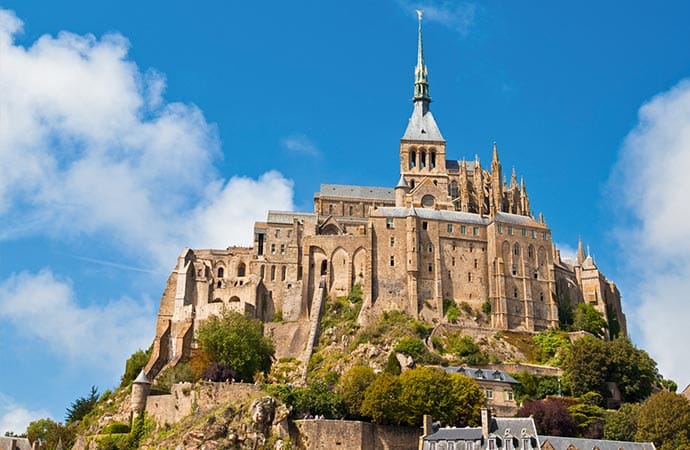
x=427, y=429
x=486, y=422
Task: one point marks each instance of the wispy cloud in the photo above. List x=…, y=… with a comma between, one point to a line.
x=458, y=16
x=95, y=151
x=301, y=144
x=15, y=417
x=651, y=184
x=567, y=251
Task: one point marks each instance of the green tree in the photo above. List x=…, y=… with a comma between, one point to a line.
x=82, y=406
x=632, y=369
x=589, y=418
x=621, y=425
x=318, y=399
x=393, y=365
x=665, y=420
x=586, y=366
x=468, y=399
x=134, y=365
x=552, y=346
x=426, y=390
x=381, y=400
x=587, y=318
x=177, y=374
x=351, y=388
x=238, y=342
x=49, y=433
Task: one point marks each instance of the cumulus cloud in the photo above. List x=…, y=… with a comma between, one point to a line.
x=15, y=417
x=43, y=307
x=458, y=16
x=300, y=143
x=652, y=185
x=94, y=149
x=567, y=251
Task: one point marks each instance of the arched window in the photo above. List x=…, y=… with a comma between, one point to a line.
x=530, y=251
x=273, y=273
x=263, y=271
x=422, y=160
x=283, y=273
x=221, y=272
x=241, y=270
x=432, y=156
x=516, y=249
x=413, y=159
x=324, y=267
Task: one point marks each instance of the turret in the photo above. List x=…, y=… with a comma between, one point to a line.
x=580, y=255
x=401, y=189
x=496, y=187
x=140, y=391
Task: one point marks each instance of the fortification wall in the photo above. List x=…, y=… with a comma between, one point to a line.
x=322, y=434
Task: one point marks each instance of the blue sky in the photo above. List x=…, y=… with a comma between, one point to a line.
x=129, y=130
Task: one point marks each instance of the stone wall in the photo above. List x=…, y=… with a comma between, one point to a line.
x=184, y=398
x=322, y=434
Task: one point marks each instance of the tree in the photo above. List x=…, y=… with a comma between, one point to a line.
x=426, y=390
x=632, y=369
x=393, y=365
x=176, y=374
x=468, y=399
x=352, y=386
x=81, y=406
x=551, y=417
x=49, y=433
x=589, y=418
x=586, y=366
x=237, y=342
x=381, y=400
x=621, y=425
x=587, y=318
x=665, y=420
x=134, y=365
x=318, y=399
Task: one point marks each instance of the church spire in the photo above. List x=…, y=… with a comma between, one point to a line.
x=580, y=255
x=421, y=83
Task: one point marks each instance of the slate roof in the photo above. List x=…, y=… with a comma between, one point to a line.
x=422, y=126
x=141, y=378
x=452, y=164
x=456, y=434
x=483, y=374
x=351, y=191
x=286, y=217
x=514, y=426
x=562, y=443
x=432, y=214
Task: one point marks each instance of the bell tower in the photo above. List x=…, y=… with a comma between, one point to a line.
x=422, y=147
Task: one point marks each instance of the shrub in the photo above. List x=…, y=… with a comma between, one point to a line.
x=115, y=428
x=218, y=372
x=178, y=374
x=486, y=307
x=392, y=365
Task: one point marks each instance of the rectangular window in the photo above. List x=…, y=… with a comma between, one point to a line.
x=392, y=241
x=389, y=224
x=289, y=235
x=510, y=231
x=500, y=229
x=352, y=209
x=273, y=249
x=392, y=261
x=508, y=396
x=452, y=261
x=469, y=277
x=543, y=235
x=450, y=227
x=431, y=267
x=534, y=234
x=524, y=232
x=489, y=393
x=277, y=233
x=475, y=231
x=431, y=249
x=425, y=225
x=463, y=229
x=476, y=264
x=282, y=249
x=260, y=244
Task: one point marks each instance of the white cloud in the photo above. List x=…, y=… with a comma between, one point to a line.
x=567, y=252
x=15, y=417
x=300, y=143
x=652, y=184
x=458, y=16
x=43, y=307
x=89, y=147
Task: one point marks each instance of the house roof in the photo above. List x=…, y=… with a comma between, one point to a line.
x=287, y=217
x=483, y=374
x=456, y=434
x=563, y=443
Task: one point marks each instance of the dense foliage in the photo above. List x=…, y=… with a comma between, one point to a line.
x=351, y=388
x=49, y=433
x=621, y=425
x=134, y=365
x=665, y=420
x=551, y=417
x=587, y=318
x=237, y=342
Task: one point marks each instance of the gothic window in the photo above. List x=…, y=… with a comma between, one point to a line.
x=530, y=251
x=453, y=189
x=516, y=249
x=221, y=272
x=413, y=159
x=241, y=270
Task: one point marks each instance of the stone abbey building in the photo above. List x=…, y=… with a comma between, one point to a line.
x=450, y=229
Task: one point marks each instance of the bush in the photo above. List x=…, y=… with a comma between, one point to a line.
x=392, y=365
x=178, y=374
x=134, y=365
x=352, y=386
x=218, y=372
x=115, y=428
x=486, y=307
x=452, y=314
x=317, y=399
x=552, y=347
x=467, y=350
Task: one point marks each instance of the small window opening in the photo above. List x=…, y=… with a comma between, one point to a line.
x=221, y=272
x=241, y=270
x=392, y=261
x=425, y=225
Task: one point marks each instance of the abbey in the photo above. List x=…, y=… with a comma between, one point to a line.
x=449, y=230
